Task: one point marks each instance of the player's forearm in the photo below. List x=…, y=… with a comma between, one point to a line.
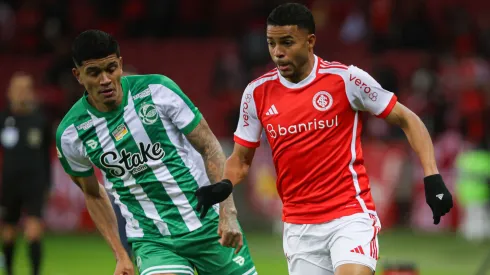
x=214, y=161
x=235, y=169
x=421, y=143
x=102, y=214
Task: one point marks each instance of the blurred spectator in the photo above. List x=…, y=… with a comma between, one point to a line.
x=26, y=141
x=229, y=75
x=473, y=189
x=380, y=18
x=354, y=28
x=7, y=24
x=414, y=29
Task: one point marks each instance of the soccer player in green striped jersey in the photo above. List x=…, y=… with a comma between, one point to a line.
x=155, y=150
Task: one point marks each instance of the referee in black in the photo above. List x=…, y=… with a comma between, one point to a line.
x=25, y=139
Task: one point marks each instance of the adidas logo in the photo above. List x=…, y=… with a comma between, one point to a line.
x=440, y=196
x=272, y=111
x=358, y=250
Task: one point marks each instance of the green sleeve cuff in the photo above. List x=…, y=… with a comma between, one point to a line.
x=193, y=124
x=80, y=174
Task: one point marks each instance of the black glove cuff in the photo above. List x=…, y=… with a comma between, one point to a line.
x=433, y=182
x=228, y=182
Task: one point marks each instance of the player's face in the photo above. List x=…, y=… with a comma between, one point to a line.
x=290, y=48
x=102, y=79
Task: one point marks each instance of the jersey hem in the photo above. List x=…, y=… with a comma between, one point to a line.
x=388, y=108
x=193, y=124
x=246, y=143
x=80, y=174
x=323, y=218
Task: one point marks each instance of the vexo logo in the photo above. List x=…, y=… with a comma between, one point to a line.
x=322, y=101
x=248, y=98
x=364, y=87
x=301, y=127
x=129, y=161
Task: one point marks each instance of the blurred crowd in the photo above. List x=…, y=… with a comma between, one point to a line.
x=434, y=54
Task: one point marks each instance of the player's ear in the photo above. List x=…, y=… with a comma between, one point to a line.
x=76, y=74
x=311, y=41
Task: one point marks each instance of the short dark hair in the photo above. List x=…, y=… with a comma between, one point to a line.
x=93, y=44
x=292, y=14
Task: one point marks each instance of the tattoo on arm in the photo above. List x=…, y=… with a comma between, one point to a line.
x=204, y=141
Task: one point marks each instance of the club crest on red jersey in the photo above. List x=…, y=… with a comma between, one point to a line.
x=322, y=101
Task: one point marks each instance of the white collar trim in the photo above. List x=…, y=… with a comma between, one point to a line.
x=303, y=82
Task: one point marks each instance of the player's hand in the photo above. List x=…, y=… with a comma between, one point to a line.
x=212, y=194
x=437, y=197
x=124, y=266
x=229, y=231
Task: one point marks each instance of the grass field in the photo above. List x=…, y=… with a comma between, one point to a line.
x=441, y=254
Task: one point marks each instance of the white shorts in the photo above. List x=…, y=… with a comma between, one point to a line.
x=318, y=249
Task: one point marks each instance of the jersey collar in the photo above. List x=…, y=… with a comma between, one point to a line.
x=303, y=82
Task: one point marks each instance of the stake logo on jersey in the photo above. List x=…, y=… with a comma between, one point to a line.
x=322, y=101
x=132, y=162
x=148, y=114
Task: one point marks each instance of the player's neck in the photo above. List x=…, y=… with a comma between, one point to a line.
x=303, y=72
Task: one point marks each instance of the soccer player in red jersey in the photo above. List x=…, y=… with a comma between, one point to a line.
x=310, y=110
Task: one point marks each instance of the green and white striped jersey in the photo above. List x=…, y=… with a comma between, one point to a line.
x=148, y=165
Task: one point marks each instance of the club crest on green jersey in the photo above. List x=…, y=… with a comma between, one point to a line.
x=118, y=164
x=148, y=114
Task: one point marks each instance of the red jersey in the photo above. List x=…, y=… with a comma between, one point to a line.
x=314, y=130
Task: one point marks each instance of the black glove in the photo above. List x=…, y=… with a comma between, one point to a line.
x=437, y=197
x=212, y=194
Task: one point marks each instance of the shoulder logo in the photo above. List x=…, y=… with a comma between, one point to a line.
x=148, y=114
x=144, y=93
x=322, y=101
x=245, y=112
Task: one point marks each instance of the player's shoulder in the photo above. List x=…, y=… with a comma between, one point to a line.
x=145, y=80
x=77, y=118
x=333, y=67
x=339, y=68
x=154, y=82
x=263, y=80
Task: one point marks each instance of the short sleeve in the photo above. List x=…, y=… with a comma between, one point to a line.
x=69, y=148
x=249, y=127
x=170, y=100
x=366, y=94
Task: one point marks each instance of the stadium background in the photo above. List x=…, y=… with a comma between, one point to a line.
x=433, y=54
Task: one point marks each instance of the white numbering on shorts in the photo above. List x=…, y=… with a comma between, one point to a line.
x=239, y=260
